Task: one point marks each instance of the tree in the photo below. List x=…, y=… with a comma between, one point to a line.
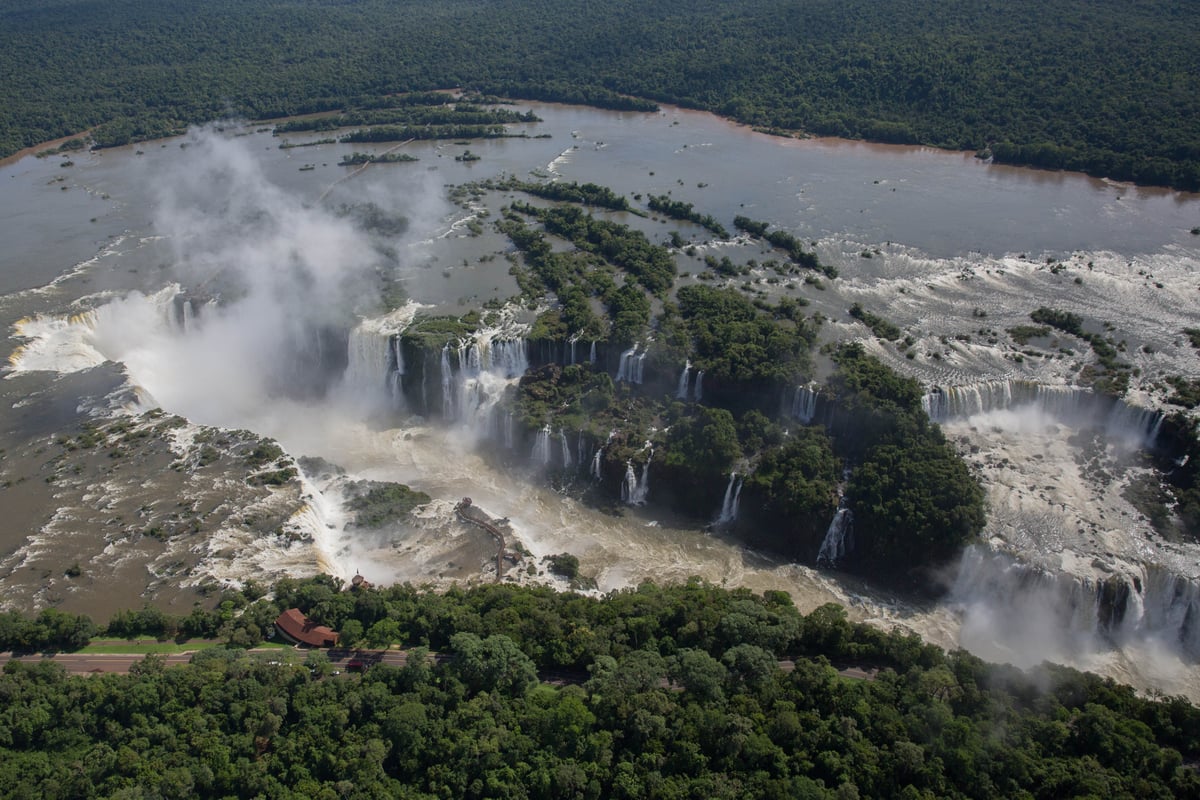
x=700, y=674
x=914, y=505
x=705, y=443
x=384, y=633
x=492, y=664
x=351, y=633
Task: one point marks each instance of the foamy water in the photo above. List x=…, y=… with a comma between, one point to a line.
x=223, y=365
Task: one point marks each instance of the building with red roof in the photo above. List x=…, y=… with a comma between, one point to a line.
x=302, y=630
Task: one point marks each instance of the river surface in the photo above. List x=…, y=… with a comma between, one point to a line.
x=95, y=253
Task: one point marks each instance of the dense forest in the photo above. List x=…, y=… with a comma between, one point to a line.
x=690, y=691
x=1106, y=87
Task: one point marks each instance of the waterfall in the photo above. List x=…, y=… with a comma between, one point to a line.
x=839, y=539
x=1039, y=613
x=699, y=391
x=375, y=358
x=368, y=354
x=733, y=496
x=598, y=458
x=181, y=312
x=486, y=352
x=509, y=439
x=488, y=362
x=541, y=447
x=629, y=484
x=573, y=340
x=804, y=404
x=580, y=452
x=188, y=313
x=396, y=371
x=630, y=367
x=1071, y=404
x=592, y=352
x=681, y=391
x=566, y=449
x=635, y=490
x=489, y=368
x=447, y=384
x=425, y=384
x=374, y=363
x=1134, y=422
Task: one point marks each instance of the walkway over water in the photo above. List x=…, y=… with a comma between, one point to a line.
x=473, y=514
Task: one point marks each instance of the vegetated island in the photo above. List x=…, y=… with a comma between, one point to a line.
x=1095, y=86
x=690, y=396
x=358, y=159
x=680, y=691
x=707, y=393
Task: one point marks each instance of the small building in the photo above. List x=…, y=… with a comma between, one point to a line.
x=300, y=629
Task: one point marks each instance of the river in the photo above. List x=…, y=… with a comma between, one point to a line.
x=956, y=245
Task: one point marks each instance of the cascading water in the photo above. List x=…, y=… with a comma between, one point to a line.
x=573, y=340
x=541, y=447
x=681, y=391
x=566, y=450
x=1030, y=613
x=375, y=358
x=632, y=492
x=368, y=354
x=396, y=371
x=733, y=496
x=598, y=457
x=699, y=390
x=619, y=551
x=1068, y=403
x=804, y=404
x=635, y=490
x=629, y=369
x=488, y=363
x=425, y=385
x=625, y=365
x=448, y=411
x=1142, y=424
x=592, y=353
x=839, y=539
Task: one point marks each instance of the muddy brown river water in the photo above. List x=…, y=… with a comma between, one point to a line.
x=96, y=254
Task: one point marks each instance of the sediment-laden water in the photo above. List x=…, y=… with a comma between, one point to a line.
x=211, y=282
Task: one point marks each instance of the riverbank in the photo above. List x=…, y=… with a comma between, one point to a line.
x=38, y=148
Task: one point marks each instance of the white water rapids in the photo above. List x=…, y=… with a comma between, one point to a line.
x=224, y=367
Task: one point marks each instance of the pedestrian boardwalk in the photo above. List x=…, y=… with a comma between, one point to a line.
x=473, y=514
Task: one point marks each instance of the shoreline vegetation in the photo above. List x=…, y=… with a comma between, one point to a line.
x=1095, y=90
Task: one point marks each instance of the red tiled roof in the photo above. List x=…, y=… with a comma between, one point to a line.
x=300, y=628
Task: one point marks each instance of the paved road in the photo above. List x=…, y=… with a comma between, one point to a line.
x=343, y=660
x=88, y=663
x=91, y=663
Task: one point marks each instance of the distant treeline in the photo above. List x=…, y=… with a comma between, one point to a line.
x=1105, y=86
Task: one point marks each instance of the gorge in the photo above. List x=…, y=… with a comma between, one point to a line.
x=246, y=305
